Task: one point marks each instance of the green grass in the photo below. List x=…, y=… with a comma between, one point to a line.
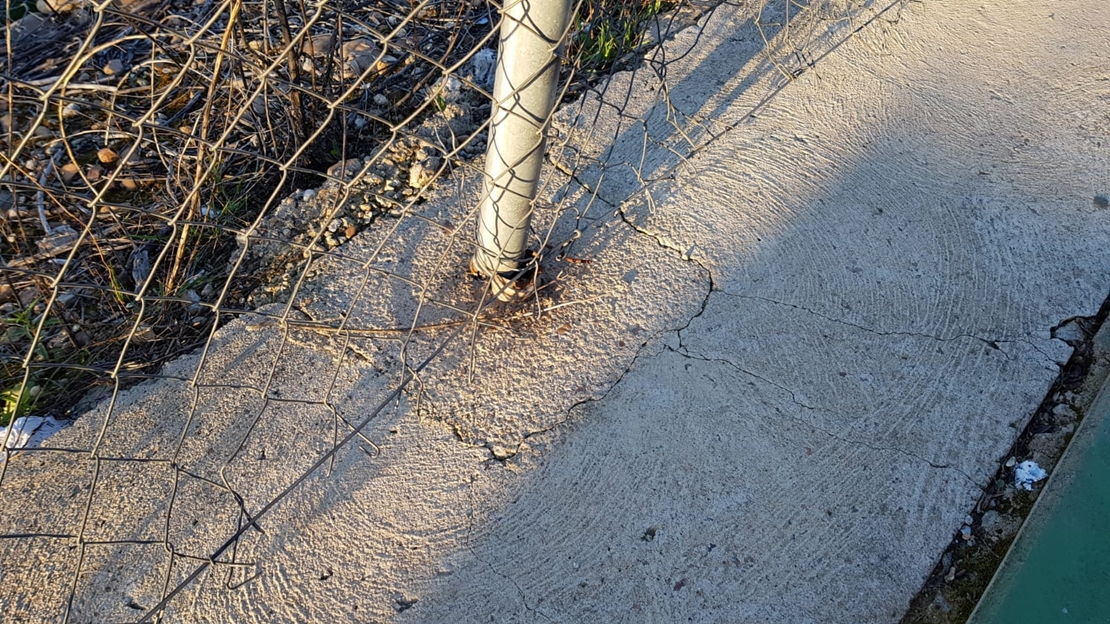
x=607, y=30
x=19, y=328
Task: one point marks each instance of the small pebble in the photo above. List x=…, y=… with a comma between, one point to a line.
x=1102, y=200
x=1063, y=409
x=113, y=67
x=965, y=533
x=106, y=155
x=69, y=171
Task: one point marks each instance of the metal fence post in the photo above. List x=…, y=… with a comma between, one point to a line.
x=524, y=91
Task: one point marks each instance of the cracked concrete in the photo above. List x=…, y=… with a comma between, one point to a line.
x=793, y=397
x=814, y=313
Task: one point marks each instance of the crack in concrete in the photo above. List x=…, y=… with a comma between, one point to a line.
x=1055, y=364
x=683, y=351
x=992, y=343
x=896, y=449
x=686, y=354
x=704, y=304
x=640, y=351
x=685, y=256
x=635, y=358
x=468, y=544
x=519, y=589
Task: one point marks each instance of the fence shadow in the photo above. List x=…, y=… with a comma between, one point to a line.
x=230, y=430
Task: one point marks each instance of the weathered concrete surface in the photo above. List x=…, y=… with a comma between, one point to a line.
x=771, y=397
x=890, y=241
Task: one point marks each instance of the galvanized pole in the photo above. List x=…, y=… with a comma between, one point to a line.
x=524, y=91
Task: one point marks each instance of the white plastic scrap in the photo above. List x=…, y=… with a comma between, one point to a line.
x=30, y=431
x=482, y=67
x=1027, y=473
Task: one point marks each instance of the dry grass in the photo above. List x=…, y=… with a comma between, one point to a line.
x=144, y=141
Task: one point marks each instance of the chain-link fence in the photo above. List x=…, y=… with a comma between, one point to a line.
x=309, y=176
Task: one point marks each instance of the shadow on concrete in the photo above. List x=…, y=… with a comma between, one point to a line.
x=770, y=393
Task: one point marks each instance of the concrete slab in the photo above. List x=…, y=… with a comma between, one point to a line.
x=801, y=342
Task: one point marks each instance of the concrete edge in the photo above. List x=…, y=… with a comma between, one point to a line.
x=1098, y=377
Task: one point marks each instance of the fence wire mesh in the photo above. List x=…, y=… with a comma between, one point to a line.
x=261, y=207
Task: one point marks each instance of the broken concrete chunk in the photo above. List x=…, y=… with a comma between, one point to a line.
x=501, y=453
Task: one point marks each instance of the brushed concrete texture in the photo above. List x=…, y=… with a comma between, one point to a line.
x=886, y=265
x=816, y=313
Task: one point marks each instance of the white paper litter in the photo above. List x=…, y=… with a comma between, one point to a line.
x=30, y=431
x=1027, y=473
